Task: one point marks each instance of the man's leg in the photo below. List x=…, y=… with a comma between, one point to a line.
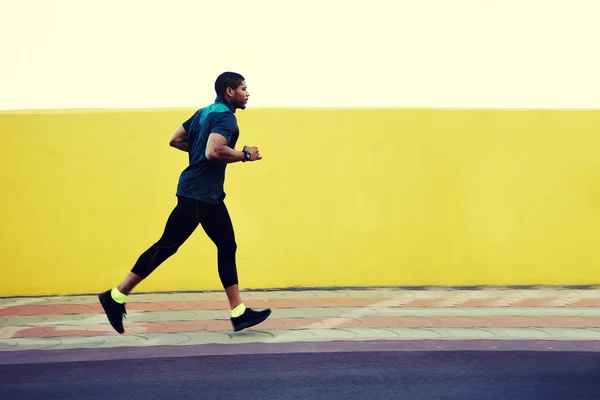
x=181, y=223
x=216, y=222
x=131, y=280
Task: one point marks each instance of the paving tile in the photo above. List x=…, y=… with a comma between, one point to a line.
x=568, y=322
x=521, y=333
x=256, y=336
x=49, y=309
x=208, y=337
x=333, y=334
x=87, y=299
x=416, y=312
x=468, y=294
x=73, y=331
x=310, y=294
x=549, y=293
x=573, y=334
x=10, y=332
x=489, y=302
x=586, y=303
x=463, y=333
x=167, y=339
x=26, y=310
x=123, y=341
x=373, y=334
x=169, y=297
x=27, y=320
x=432, y=303
x=390, y=322
x=414, y=333
x=187, y=326
x=179, y=306
x=21, y=301
x=6, y=344
x=283, y=336
x=163, y=316
x=75, y=342
x=545, y=302
x=28, y=344
x=313, y=312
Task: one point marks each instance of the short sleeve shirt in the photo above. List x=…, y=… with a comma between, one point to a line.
x=204, y=180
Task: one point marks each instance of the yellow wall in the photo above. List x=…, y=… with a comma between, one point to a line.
x=342, y=197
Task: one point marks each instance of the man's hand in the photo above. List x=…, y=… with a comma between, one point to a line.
x=254, y=153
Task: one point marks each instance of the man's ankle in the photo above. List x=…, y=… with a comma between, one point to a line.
x=238, y=311
x=118, y=296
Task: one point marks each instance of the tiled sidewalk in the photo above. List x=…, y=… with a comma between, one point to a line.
x=316, y=316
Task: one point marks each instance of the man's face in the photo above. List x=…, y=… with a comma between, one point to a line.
x=239, y=97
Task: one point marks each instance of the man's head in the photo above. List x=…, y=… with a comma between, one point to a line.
x=232, y=87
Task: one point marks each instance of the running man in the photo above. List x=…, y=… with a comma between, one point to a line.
x=209, y=136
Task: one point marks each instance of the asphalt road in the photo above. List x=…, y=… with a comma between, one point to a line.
x=395, y=375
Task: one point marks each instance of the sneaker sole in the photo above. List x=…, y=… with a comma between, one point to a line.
x=249, y=324
x=104, y=307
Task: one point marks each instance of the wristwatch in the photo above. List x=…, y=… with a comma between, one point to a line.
x=247, y=155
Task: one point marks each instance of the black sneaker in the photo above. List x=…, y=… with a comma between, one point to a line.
x=249, y=318
x=114, y=311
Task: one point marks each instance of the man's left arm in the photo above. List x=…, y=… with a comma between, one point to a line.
x=179, y=140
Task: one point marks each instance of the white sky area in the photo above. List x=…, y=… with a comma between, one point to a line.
x=326, y=53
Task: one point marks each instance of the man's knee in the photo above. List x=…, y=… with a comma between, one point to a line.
x=152, y=258
x=227, y=248
x=168, y=250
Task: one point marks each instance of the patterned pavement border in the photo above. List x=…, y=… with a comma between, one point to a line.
x=45, y=328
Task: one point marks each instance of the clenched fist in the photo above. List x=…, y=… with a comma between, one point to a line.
x=254, y=153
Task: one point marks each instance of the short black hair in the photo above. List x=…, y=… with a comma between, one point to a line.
x=227, y=79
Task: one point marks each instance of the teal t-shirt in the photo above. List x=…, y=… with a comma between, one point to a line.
x=203, y=180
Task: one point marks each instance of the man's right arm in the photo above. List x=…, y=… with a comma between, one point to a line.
x=217, y=150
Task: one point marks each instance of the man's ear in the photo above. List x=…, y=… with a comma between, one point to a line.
x=229, y=91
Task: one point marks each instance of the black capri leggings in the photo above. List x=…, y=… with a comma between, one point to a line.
x=182, y=222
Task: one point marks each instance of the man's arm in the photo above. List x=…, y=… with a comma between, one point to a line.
x=179, y=140
x=218, y=151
